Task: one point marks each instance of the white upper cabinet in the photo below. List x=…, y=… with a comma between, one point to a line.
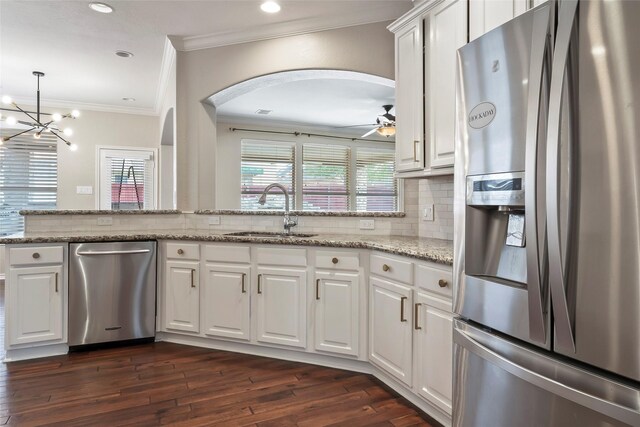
x=409, y=100
x=485, y=15
x=446, y=32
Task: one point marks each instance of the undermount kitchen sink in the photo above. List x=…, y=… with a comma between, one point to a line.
x=268, y=234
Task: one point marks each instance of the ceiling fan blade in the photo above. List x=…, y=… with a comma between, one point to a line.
x=369, y=133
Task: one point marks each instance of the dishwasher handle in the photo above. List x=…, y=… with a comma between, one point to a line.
x=134, y=251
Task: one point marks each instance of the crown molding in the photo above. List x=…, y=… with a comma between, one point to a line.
x=168, y=62
x=285, y=29
x=86, y=106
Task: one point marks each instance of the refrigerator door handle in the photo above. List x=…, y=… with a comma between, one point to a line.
x=565, y=340
x=614, y=409
x=538, y=72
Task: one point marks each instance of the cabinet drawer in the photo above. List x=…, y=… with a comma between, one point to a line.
x=336, y=260
x=227, y=253
x=277, y=256
x=183, y=251
x=36, y=255
x=392, y=268
x=436, y=280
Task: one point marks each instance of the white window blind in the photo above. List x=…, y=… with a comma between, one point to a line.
x=325, y=177
x=127, y=179
x=376, y=187
x=264, y=163
x=28, y=179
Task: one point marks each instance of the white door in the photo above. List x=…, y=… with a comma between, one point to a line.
x=409, y=98
x=485, y=15
x=182, y=296
x=226, y=301
x=446, y=30
x=433, y=342
x=390, y=335
x=34, y=305
x=337, y=317
x=281, y=306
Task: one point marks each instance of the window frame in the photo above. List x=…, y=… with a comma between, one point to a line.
x=298, y=168
x=124, y=150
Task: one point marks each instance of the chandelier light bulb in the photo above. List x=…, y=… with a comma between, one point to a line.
x=73, y=147
x=270, y=7
x=56, y=117
x=7, y=99
x=68, y=131
x=75, y=114
x=11, y=120
x=47, y=130
x=36, y=135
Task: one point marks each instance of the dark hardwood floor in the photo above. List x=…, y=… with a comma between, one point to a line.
x=163, y=383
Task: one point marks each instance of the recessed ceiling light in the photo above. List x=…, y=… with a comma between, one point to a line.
x=128, y=99
x=263, y=112
x=101, y=7
x=124, y=54
x=270, y=7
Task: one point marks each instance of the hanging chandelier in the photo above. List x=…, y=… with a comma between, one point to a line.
x=37, y=124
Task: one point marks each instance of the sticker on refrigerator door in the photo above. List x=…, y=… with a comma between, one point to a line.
x=481, y=115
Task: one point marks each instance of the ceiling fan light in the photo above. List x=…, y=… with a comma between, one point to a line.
x=386, y=131
x=75, y=114
x=73, y=147
x=56, y=117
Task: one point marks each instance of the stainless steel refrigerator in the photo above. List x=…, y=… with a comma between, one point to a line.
x=547, y=220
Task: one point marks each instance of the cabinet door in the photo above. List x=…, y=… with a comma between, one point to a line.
x=446, y=29
x=281, y=306
x=34, y=305
x=225, y=301
x=182, y=296
x=433, y=343
x=409, y=98
x=485, y=15
x=390, y=335
x=337, y=321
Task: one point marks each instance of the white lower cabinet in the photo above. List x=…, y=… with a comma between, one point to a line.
x=226, y=303
x=34, y=305
x=281, y=306
x=182, y=296
x=337, y=314
x=433, y=348
x=390, y=334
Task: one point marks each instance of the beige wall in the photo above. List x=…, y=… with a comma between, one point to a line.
x=365, y=48
x=93, y=129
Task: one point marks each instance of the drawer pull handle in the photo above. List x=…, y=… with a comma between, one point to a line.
x=193, y=282
x=415, y=151
x=385, y=267
x=56, y=282
x=35, y=255
x=244, y=290
x=402, y=300
x=415, y=317
x=334, y=260
x=180, y=252
x=259, y=283
x=443, y=283
x=317, y=289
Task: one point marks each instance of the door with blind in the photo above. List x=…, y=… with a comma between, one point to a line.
x=28, y=179
x=127, y=179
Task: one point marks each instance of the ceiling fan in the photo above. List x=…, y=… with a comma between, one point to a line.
x=385, y=124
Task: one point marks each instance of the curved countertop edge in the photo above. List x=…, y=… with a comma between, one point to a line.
x=425, y=249
x=100, y=212
x=302, y=213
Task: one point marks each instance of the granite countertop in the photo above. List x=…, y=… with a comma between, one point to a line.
x=434, y=250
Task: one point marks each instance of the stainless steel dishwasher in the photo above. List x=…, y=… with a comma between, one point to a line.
x=112, y=292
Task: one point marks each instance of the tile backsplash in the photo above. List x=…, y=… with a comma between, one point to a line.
x=436, y=191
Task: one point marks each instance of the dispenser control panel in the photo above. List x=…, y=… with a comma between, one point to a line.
x=500, y=189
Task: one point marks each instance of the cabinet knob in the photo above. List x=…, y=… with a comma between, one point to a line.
x=35, y=255
x=180, y=252
x=385, y=267
x=442, y=283
x=334, y=260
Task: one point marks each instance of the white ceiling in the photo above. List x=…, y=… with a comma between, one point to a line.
x=76, y=46
x=321, y=99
